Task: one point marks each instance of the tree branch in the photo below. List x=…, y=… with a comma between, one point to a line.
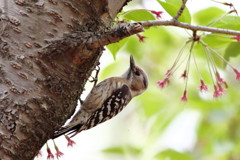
x=136, y=27
x=115, y=34
x=173, y=22
x=180, y=11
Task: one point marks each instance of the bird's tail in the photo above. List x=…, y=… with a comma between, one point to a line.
x=68, y=130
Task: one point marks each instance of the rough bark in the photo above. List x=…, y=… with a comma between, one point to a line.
x=47, y=52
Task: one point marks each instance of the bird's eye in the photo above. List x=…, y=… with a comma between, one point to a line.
x=137, y=73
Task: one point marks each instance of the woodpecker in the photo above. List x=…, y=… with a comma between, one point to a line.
x=107, y=99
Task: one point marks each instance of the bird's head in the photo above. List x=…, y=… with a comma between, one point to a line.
x=137, y=78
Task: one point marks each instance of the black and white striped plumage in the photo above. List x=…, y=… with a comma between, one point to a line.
x=107, y=99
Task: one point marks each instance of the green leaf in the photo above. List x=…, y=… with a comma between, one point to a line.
x=115, y=47
x=172, y=7
x=114, y=150
x=138, y=15
x=122, y=150
x=232, y=50
x=173, y=155
x=229, y=22
x=178, y=2
x=206, y=16
x=216, y=40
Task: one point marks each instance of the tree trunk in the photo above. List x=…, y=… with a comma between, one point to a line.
x=47, y=53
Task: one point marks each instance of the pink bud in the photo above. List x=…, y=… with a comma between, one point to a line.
x=217, y=93
x=237, y=74
x=70, y=142
x=158, y=13
x=163, y=82
x=203, y=86
x=237, y=38
x=50, y=155
x=141, y=38
x=184, y=75
x=184, y=97
x=58, y=152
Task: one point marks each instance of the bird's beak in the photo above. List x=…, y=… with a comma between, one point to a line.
x=132, y=63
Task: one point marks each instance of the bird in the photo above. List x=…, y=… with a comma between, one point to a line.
x=106, y=100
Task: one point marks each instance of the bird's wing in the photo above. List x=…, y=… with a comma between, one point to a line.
x=101, y=92
x=111, y=107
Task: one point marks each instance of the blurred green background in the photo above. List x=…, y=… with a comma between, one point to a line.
x=162, y=127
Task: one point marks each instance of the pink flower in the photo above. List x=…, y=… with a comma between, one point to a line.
x=237, y=74
x=141, y=38
x=184, y=75
x=221, y=89
x=158, y=14
x=237, y=38
x=184, y=97
x=58, y=153
x=50, y=155
x=221, y=80
x=70, y=142
x=217, y=93
x=203, y=86
x=163, y=82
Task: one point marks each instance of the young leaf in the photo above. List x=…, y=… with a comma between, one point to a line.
x=178, y=2
x=114, y=150
x=172, y=7
x=232, y=50
x=115, y=47
x=216, y=41
x=174, y=155
x=138, y=15
x=229, y=22
x=122, y=150
x=208, y=15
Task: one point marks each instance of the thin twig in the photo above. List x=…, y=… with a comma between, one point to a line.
x=188, y=26
x=180, y=11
